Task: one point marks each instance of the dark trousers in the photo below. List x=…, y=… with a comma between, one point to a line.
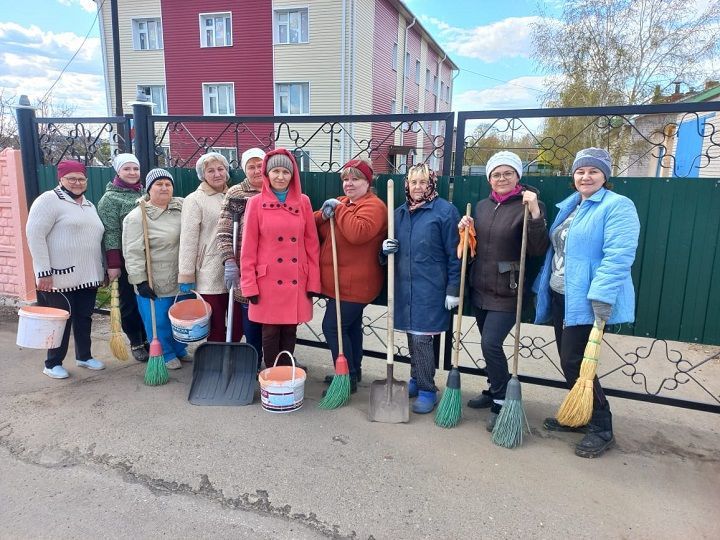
x=351, y=314
x=218, y=326
x=80, y=304
x=130, y=319
x=494, y=327
x=571, y=342
x=422, y=361
x=276, y=338
x=253, y=331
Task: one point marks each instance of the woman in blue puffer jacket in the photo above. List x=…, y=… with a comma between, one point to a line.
x=586, y=277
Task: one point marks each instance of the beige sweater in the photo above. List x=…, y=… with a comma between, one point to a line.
x=200, y=259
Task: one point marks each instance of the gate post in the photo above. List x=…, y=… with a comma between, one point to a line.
x=143, y=137
x=29, y=147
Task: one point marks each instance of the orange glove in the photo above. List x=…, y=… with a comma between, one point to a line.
x=472, y=242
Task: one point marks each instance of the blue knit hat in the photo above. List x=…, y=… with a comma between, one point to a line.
x=593, y=157
x=157, y=174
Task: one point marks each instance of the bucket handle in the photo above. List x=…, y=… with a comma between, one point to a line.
x=198, y=296
x=69, y=309
x=292, y=359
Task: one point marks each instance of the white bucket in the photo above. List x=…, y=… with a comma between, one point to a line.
x=282, y=388
x=190, y=319
x=41, y=327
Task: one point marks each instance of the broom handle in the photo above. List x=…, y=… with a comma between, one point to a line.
x=391, y=274
x=463, y=271
x=337, y=284
x=521, y=286
x=148, y=263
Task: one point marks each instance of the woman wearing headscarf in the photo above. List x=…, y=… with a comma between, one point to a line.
x=498, y=224
x=234, y=204
x=120, y=197
x=163, y=213
x=200, y=263
x=65, y=235
x=427, y=276
x=360, y=227
x=586, y=278
x=279, y=272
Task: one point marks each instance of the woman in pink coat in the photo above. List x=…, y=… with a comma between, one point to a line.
x=279, y=258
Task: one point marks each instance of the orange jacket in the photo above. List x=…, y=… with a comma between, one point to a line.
x=360, y=229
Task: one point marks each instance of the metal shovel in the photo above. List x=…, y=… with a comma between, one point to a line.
x=389, y=401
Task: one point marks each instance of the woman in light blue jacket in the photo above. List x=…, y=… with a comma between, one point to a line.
x=586, y=277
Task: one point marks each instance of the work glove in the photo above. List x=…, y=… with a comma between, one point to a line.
x=254, y=299
x=144, y=290
x=328, y=208
x=389, y=246
x=186, y=288
x=602, y=310
x=232, y=274
x=451, y=302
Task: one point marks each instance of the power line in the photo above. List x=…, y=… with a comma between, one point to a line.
x=67, y=65
x=502, y=80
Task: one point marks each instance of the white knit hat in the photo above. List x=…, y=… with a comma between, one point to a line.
x=510, y=159
x=121, y=159
x=250, y=153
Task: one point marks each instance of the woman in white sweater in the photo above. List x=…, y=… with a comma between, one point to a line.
x=65, y=235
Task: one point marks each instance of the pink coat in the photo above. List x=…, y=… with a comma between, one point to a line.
x=279, y=258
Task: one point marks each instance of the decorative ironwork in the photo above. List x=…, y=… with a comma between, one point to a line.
x=93, y=141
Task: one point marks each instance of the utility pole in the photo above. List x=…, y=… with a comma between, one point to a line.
x=116, y=57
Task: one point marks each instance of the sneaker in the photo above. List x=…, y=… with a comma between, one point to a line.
x=185, y=358
x=173, y=364
x=483, y=401
x=58, y=372
x=140, y=352
x=91, y=363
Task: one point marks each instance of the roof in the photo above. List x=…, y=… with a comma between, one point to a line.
x=705, y=95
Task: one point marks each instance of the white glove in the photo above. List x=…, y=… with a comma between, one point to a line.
x=390, y=245
x=328, y=208
x=451, y=302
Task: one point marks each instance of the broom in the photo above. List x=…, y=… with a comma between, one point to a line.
x=156, y=372
x=449, y=409
x=338, y=393
x=577, y=407
x=117, y=341
x=511, y=420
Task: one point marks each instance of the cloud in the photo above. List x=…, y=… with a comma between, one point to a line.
x=508, y=38
x=514, y=94
x=87, y=5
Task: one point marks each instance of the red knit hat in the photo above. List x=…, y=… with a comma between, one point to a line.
x=361, y=166
x=68, y=166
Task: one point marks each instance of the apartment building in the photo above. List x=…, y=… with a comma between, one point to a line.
x=283, y=58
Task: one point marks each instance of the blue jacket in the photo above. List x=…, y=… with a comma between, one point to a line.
x=426, y=265
x=599, y=252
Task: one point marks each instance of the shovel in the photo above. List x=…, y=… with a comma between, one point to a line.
x=225, y=373
x=389, y=401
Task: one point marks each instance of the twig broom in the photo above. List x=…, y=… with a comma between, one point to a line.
x=118, y=347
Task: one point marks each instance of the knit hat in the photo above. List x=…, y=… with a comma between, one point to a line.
x=66, y=167
x=593, y=157
x=511, y=159
x=121, y=159
x=361, y=166
x=279, y=160
x=250, y=153
x=157, y=174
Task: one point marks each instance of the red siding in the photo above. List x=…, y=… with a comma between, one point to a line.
x=384, y=35
x=248, y=63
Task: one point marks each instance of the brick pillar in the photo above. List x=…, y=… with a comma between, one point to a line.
x=16, y=273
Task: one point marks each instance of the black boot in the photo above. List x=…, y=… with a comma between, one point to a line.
x=483, y=401
x=551, y=424
x=599, y=435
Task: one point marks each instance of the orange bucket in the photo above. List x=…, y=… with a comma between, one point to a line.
x=282, y=388
x=190, y=319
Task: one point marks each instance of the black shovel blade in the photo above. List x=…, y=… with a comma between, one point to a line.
x=224, y=374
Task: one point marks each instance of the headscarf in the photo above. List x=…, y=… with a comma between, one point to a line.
x=431, y=191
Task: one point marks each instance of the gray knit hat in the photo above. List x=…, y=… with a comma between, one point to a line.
x=511, y=159
x=157, y=174
x=593, y=157
x=279, y=160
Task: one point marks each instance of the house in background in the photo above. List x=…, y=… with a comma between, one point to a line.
x=284, y=58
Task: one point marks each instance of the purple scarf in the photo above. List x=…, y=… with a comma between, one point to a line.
x=502, y=198
x=118, y=182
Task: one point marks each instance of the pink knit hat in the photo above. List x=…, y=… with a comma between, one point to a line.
x=68, y=166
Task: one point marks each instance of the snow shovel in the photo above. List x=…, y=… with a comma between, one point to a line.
x=225, y=373
x=389, y=401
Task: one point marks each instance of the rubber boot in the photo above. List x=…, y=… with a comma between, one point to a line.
x=599, y=436
x=425, y=402
x=412, y=388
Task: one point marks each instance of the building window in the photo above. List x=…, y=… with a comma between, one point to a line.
x=428, y=79
x=218, y=99
x=407, y=65
x=394, y=56
x=291, y=26
x=417, y=72
x=147, y=34
x=228, y=153
x=156, y=94
x=215, y=30
x=292, y=98
x=434, y=85
x=442, y=90
x=302, y=158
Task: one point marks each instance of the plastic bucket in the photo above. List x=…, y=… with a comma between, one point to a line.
x=190, y=319
x=41, y=327
x=282, y=388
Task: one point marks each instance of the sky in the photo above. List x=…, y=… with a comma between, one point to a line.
x=38, y=37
